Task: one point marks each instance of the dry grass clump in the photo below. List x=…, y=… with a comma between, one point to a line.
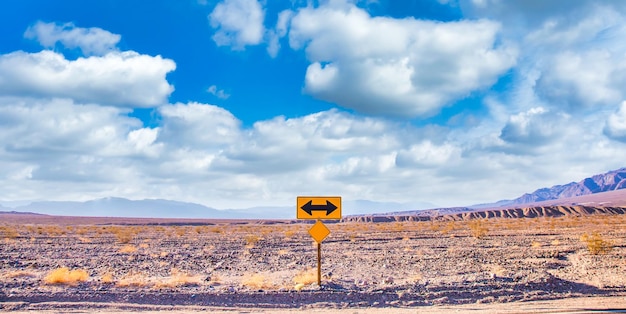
x=107, y=278
x=596, y=244
x=478, y=228
x=8, y=232
x=133, y=280
x=180, y=231
x=128, y=249
x=257, y=281
x=124, y=234
x=18, y=274
x=306, y=277
x=65, y=276
x=178, y=279
x=52, y=231
x=251, y=240
x=289, y=233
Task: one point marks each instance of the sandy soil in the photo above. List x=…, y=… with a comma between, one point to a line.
x=499, y=265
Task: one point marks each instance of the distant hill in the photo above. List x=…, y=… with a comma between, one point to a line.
x=121, y=207
x=610, y=181
x=159, y=208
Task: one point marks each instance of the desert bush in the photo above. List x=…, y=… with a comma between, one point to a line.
x=306, y=277
x=448, y=228
x=217, y=230
x=257, y=281
x=18, y=273
x=177, y=279
x=128, y=249
x=251, y=240
x=65, y=276
x=53, y=231
x=180, y=231
x=107, y=278
x=478, y=228
x=596, y=244
x=8, y=232
x=123, y=235
x=289, y=233
x=133, y=280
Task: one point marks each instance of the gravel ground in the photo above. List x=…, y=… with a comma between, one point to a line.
x=394, y=266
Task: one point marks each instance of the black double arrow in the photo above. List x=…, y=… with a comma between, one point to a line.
x=309, y=208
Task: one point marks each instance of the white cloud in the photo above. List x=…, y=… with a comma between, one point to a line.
x=427, y=154
x=616, y=124
x=238, y=23
x=91, y=41
x=537, y=126
x=407, y=67
x=125, y=79
x=59, y=149
x=274, y=35
x=219, y=93
x=198, y=125
x=65, y=135
x=67, y=150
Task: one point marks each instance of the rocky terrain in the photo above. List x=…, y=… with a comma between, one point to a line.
x=610, y=181
x=213, y=264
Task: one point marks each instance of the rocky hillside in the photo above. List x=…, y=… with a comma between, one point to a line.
x=529, y=212
x=610, y=181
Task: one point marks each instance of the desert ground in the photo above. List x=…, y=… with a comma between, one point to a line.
x=496, y=265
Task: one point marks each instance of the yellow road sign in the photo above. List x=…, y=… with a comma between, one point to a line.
x=319, y=231
x=318, y=207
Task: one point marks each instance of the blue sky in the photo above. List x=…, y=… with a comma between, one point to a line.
x=239, y=103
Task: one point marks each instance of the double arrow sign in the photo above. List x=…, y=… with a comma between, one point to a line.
x=319, y=207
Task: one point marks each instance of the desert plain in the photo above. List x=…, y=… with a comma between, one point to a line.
x=512, y=265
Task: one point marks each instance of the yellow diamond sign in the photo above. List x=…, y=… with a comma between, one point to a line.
x=319, y=231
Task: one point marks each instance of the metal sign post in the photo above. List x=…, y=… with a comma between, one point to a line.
x=324, y=208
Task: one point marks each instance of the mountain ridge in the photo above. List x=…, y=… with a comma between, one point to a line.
x=604, y=182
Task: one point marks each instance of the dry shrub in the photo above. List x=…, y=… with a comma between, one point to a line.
x=54, y=231
x=107, y=278
x=128, y=249
x=306, y=277
x=596, y=244
x=251, y=240
x=497, y=270
x=8, y=232
x=478, y=229
x=65, y=276
x=178, y=279
x=133, y=280
x=289, y=233
x=416, y=277
x=257, y=281
x=180, y=231
x=217, y=230
x=18, y=273
x=124, y=235
x=536, y=244
x=448, y=228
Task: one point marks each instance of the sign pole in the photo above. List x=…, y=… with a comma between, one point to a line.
x=319, y=264
x=318, y=208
